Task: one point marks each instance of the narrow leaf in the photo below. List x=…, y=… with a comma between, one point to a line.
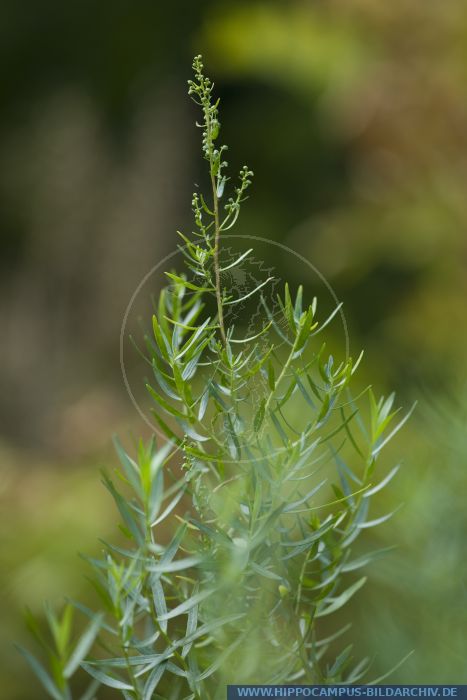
x=159, y=603
x=186, y=605
x=383, y=483
x=83, y=646
x=152, y=681
x=41, y=673
x=342, y=599
x=103, y=678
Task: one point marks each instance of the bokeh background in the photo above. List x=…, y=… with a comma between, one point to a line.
x=353, y=116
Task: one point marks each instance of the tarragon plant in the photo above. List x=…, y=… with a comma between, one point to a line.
x=240, y=522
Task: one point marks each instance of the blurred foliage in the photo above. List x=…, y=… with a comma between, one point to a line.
x=352, y=115
x=385, y=87
x=49, y=513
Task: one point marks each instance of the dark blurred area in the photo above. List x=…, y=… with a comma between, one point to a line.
x=353, y=116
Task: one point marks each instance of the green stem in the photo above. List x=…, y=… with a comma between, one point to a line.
x=217, y=230
x=220, y=311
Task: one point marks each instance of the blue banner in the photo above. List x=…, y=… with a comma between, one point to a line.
x=234, y=692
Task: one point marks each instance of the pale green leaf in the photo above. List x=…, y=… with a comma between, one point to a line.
x=83, y=646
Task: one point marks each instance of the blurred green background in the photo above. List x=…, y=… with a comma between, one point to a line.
x=353, y=116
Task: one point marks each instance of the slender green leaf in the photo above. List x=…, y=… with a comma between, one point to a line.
x=153, y=681
x=83, y=646
x=42, y=675
x=186, y=605
x=159, y=603
x=105, y=679
x=342, y=599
